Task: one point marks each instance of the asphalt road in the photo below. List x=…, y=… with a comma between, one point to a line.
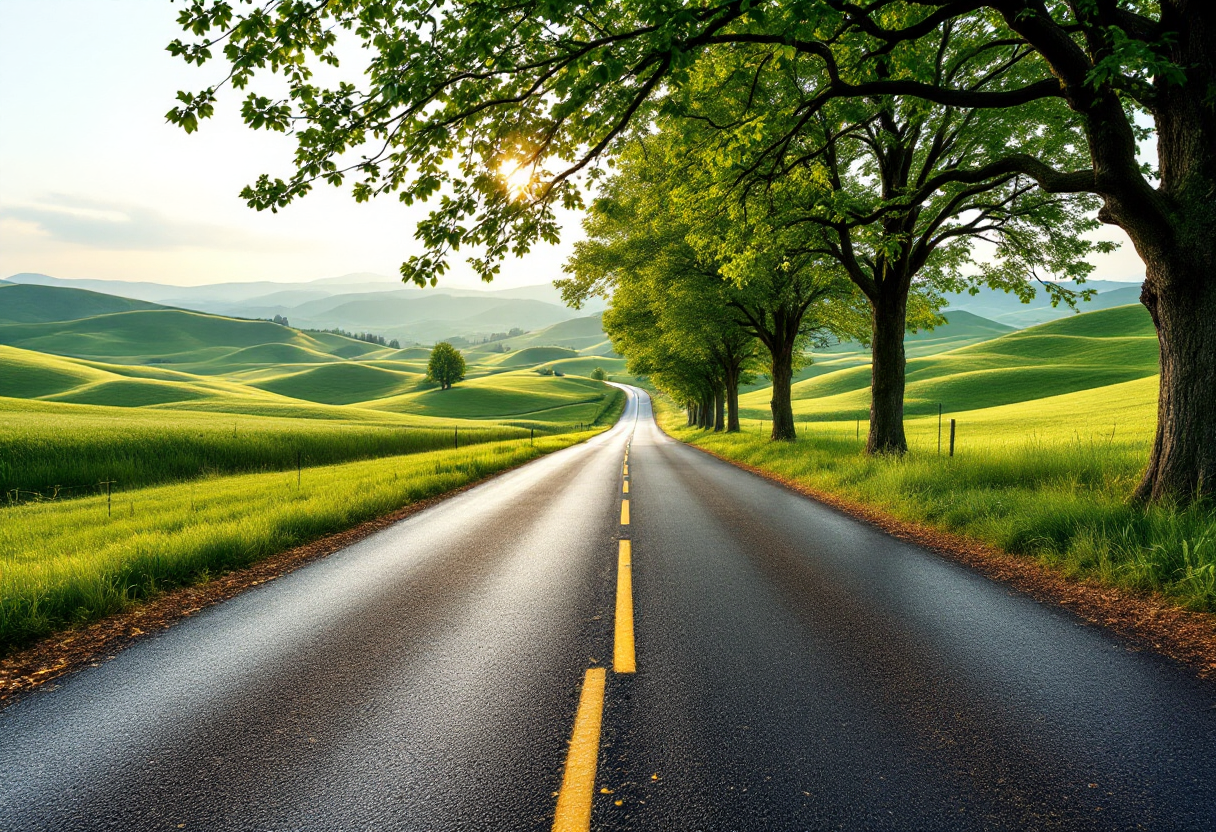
x=795, y=669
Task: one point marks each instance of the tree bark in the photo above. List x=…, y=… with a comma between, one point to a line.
x=1180, y=280
x=720, y=409
x=1182, y=464
x=732, y=400
x=782, y=372
x=889, y=320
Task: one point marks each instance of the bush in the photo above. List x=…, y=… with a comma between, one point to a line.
x=598, y=374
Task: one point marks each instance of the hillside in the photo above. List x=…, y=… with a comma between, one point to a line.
x=33, y=304
x=1005, y=308
x=1081, y=352
x=137, y=357
x=584, y=334
x=356, y=302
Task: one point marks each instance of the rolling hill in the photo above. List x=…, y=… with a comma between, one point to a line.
x=33, y=304
x=1081, y=352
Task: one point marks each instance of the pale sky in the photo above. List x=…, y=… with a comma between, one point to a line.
x=94, y=183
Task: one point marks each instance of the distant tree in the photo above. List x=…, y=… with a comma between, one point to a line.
x=282, y=320
x=544, y=371
x=394, y=344
x=446, y=366
x=598, y=374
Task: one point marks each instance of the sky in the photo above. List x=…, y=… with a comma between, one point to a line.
x=95, y=184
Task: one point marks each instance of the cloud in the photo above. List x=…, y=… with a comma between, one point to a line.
x=120, y=227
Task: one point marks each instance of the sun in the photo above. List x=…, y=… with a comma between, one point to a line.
x=518, y=181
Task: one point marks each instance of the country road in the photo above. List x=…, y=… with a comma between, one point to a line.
x=795, y=670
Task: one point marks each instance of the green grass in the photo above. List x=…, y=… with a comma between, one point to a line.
x=31, y=304
x=1077, y=353
x=507, y=396
x=341, y=383
x=169, y=335
x=1047, y=479
x=75, y=449
x=67, y=563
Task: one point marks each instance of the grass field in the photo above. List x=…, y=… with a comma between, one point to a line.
x=198, y=423
x=69, y=562
x=1054, y=425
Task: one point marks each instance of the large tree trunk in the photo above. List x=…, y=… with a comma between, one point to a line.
x=1180, y=284
x=783, y=378
x=1182, y=465
x=732, y=401
x=720, y=409
x=706, y=412
x=889, y=321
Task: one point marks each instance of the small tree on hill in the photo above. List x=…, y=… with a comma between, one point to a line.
x=598, y=374
x=446, y=366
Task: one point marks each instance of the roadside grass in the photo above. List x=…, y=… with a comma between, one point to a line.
x=1037, y=479
x=67, y=452
x=68, y=563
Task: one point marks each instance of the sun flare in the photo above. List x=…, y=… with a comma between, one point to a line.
x=518, y=181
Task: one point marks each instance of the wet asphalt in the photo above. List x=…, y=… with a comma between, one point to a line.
x=797, y=670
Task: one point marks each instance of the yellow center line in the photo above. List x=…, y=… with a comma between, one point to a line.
x=624, y=659
x=624, y=512
x=578, y=785
x=626, y=469
x=625, y=487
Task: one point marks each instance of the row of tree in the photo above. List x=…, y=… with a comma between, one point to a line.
x=821, y=160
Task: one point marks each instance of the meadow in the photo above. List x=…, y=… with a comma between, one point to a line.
x=1045, y=476
x=222, y=441
x=69, y=562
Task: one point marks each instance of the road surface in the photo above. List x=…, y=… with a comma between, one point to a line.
x=795, y=669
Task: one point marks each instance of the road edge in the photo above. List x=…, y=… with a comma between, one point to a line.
x=68, y=651
x=1143, y=622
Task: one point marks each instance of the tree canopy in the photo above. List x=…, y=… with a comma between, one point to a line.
x=497, y=115
x=446, y=366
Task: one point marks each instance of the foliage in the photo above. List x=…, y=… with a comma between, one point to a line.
x=446, y=366
x=598, y=374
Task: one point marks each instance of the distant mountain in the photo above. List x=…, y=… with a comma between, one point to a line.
x=1007, y=309
x=359, y=301
x=34, y=304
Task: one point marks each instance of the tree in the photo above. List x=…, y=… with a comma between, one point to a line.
x=717, y=279
x=598, y=374
x=504, y=92
x=446, y=366
x=904, y=194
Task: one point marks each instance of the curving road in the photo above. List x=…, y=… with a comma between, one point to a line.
x=795, y=669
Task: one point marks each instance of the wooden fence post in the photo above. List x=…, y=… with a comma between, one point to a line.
x=951, y=437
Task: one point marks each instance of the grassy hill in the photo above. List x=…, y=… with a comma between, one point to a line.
x=576, y=334
x=150, y=370
x=1081, y=352
x=340, y=383
x=32, y=304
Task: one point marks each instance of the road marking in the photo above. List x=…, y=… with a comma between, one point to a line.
x=625, y=487
x=626, y=469
x=624, y=512
x=624, y=659
x=578, y=784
